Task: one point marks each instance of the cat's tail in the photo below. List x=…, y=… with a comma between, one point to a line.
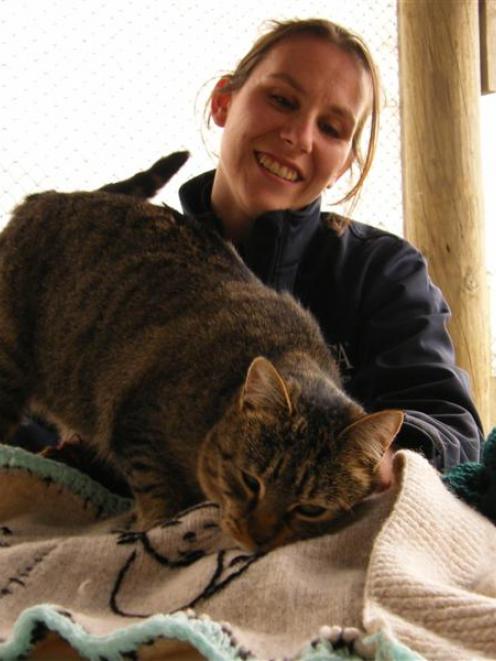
x=147, y=183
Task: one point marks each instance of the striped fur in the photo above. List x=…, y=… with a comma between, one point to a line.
x=143, y=332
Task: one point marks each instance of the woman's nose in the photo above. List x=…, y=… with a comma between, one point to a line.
x=298, y=133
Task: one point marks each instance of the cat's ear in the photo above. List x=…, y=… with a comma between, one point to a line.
x=264, y=388
x=372, y=434
x=220, y=101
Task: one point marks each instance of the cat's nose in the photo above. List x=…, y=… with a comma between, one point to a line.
x=254, y=543
x=265, y=528
x=263, y=543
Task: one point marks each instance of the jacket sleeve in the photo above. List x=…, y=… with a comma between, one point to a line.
x=406, y=357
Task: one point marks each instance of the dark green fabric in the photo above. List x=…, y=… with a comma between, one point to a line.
x=475, y=483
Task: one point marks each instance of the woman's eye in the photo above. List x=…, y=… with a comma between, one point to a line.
x=310, y=511
x=283, y=101
x=251, y=483
x=329, y=129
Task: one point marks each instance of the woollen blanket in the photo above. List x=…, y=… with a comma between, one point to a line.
x=410, y=574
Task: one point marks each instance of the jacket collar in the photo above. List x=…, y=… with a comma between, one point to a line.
x=278, y=239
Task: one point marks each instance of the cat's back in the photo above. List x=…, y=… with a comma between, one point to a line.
x=116, y=264
x=61, y=239
x=64, y=220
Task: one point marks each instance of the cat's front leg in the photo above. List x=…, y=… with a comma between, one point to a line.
x=14, y=390
x=155, y=504
x=150, y=511
x=160, y=485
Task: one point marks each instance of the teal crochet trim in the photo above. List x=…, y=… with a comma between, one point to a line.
x=475, y=483
x=213, y=640
x=108, y=503
x=390, y=649
x=208, y=637
x=383, y=647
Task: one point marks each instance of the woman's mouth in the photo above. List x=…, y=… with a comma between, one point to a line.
x=276, y=168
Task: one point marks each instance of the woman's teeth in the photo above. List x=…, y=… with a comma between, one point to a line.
x=276, y=168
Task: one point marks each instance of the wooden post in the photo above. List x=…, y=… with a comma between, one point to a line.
x=443, y=203
x=487, y=18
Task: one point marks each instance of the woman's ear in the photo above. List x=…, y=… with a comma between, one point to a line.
x=220, y=102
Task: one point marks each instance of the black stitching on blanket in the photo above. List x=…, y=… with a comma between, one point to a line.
x=129, y=563
x=66, y=614
x=227, y=567
x=161, y=559
x=189, y=536
x=210, y=524
x=214, y=586
x=128, y=537
x=120, y=577
x=188, y=557
x=25, y=572
x=238, y=559
x=218, y=571
x=4, y=530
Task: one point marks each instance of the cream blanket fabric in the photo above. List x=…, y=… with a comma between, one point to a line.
x=412, y=574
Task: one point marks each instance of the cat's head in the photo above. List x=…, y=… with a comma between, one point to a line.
x=290, y=456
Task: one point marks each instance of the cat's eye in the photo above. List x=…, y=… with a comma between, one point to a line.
x=310, y=511
x=251, y=483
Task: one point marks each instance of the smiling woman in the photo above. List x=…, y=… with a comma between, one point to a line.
x=288, y=131
x=283, y=121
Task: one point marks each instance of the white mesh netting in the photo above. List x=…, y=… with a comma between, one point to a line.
x=93, y=91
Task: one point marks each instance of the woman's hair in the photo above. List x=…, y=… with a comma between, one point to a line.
x=346, y=41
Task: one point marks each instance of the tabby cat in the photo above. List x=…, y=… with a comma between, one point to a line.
x=142, y=331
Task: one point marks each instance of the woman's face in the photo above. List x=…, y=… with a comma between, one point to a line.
x=288, y=131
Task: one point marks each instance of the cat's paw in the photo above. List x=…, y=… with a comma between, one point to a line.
x=149, y=512
x=143, y=522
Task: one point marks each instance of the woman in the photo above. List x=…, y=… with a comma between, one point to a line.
x=292, y=115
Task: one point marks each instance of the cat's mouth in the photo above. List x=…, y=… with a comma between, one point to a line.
x=282, y=170
x=252, y=539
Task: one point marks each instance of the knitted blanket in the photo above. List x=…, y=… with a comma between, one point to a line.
x=410, y=574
